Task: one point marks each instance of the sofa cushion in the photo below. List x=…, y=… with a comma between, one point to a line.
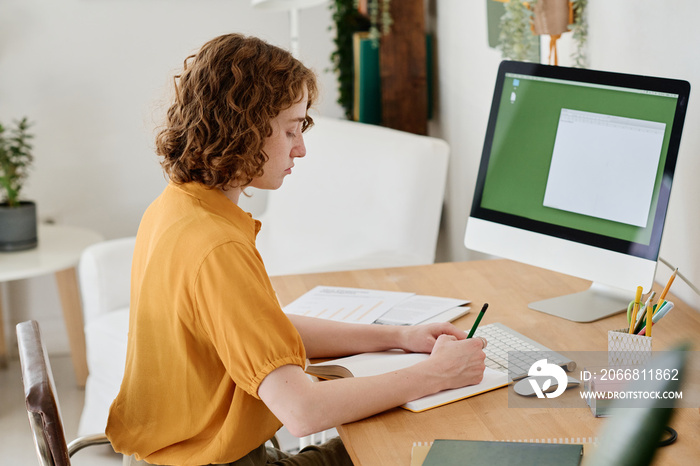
x=105, y=277
x=105, y=340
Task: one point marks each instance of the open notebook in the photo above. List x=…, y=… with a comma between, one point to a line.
x=368, y=364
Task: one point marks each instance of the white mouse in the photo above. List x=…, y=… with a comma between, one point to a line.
x=524, y=387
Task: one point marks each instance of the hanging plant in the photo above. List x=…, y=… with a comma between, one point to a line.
x=351, y=16
x=516, y=41
x=348, y=20
x=579, y=33
x=380, y=21
x=523, y=22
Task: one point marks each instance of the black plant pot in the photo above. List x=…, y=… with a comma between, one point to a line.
x=18, y=227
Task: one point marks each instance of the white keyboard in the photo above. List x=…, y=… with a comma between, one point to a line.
x=502, y=339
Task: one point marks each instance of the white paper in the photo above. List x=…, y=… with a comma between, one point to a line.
x=355, y=305
x=370, y=364
x=359, y=305
x=419, y=308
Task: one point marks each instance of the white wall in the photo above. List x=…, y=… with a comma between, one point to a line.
x=633, y=36
x=93, y=75
x=636, y=36
x=466, y=74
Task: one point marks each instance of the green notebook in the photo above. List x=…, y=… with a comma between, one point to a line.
x=478, y=453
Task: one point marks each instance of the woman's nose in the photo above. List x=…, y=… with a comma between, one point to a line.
x=299, y=149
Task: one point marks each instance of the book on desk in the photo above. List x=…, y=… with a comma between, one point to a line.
x=488, y=453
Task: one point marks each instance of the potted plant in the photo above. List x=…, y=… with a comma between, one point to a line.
x=17, y=218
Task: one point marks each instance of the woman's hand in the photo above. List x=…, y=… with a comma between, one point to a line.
x=457, y=363
x=422, y=338
x=454, y=361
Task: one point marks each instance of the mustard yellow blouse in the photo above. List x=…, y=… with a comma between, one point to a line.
x=205, y=328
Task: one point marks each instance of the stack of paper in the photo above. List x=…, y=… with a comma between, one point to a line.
x=363, y=306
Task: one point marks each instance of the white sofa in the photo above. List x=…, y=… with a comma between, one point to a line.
x=104, y=276
x=364, y=196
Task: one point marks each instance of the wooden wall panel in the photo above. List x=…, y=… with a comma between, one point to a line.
x=402, y=58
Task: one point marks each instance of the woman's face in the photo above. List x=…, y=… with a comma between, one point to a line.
x=284, y=145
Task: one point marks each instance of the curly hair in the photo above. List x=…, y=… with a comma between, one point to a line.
x=225, y=98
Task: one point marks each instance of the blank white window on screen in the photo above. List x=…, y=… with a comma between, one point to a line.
x=604, y=166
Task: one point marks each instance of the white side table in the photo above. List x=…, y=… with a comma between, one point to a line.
x=58, y=252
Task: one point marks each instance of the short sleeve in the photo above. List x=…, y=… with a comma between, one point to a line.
x=237, y=307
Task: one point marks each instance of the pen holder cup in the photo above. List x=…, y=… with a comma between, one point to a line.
x=625, y=349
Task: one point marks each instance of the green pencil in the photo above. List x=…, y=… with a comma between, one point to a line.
x=478, y=319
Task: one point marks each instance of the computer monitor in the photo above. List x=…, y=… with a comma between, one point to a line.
x=575, y=177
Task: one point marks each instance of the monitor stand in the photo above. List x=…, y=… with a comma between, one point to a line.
x=595, y=303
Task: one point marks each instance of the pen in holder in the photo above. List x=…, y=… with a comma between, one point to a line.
x=625, y=349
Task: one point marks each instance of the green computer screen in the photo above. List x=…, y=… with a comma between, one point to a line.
x=585, y=156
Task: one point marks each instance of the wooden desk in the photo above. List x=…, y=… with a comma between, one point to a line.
x=387, y=438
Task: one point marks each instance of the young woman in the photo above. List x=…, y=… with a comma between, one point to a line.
x=214, y=367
